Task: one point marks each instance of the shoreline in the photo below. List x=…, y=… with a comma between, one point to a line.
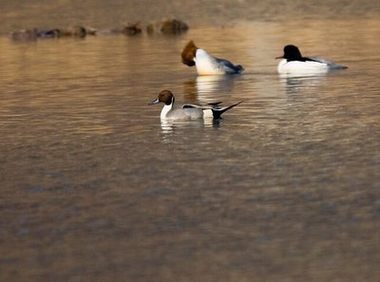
x=115, y=13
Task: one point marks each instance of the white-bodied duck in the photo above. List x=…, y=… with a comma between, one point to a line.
x=294, y=63
x=207, y=64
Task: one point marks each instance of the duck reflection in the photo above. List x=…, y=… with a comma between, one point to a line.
x=170, y=128
x=295, y=84
x=207, y=89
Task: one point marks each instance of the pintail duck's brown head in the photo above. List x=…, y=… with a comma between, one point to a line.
x=165, y=96
x=188, y=53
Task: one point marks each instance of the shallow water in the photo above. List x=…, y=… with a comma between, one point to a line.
x=284, y=188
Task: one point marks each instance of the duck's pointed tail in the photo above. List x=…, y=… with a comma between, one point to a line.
x=218, y=111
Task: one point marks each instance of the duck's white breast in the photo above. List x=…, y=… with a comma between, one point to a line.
x=165, y=110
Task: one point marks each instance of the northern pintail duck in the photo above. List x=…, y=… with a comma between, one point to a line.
x=294, y=63
x=188, y=111
x=207, y=64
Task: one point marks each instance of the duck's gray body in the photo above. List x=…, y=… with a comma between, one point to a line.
x=187, y=112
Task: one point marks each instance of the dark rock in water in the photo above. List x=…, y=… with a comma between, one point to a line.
x=24, y=35
x=150, y=28
x=34, y=34
x=188, y=53
x=49, y=33
x=132, y=29
x=173, y=26
x=74, y=31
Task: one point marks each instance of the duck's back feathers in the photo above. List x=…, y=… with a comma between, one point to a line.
x=230, y=67
x=331, y=65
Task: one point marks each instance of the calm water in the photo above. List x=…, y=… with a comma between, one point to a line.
x=284, y=188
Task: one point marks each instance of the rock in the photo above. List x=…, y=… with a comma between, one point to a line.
x=173, y=26
x=33, y=34
x=150, y=28
x=74, y=31
x=24, y=35
x=132, y=29
x=49, y=33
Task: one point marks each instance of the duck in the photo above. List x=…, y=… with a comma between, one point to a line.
x=292, y=62
x=207, y=64
x=188, y=112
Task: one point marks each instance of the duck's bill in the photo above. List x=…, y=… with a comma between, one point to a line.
x=155, y=101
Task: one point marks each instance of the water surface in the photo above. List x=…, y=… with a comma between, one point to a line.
x=284, y=188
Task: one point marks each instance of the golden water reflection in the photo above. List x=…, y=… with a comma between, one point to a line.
x=95, y=187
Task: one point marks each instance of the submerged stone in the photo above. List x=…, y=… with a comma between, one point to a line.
x=150, y=28
x=74, y=31
x=132, y=29
x=24, y=35
x=49, y=33
x=173, y=26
